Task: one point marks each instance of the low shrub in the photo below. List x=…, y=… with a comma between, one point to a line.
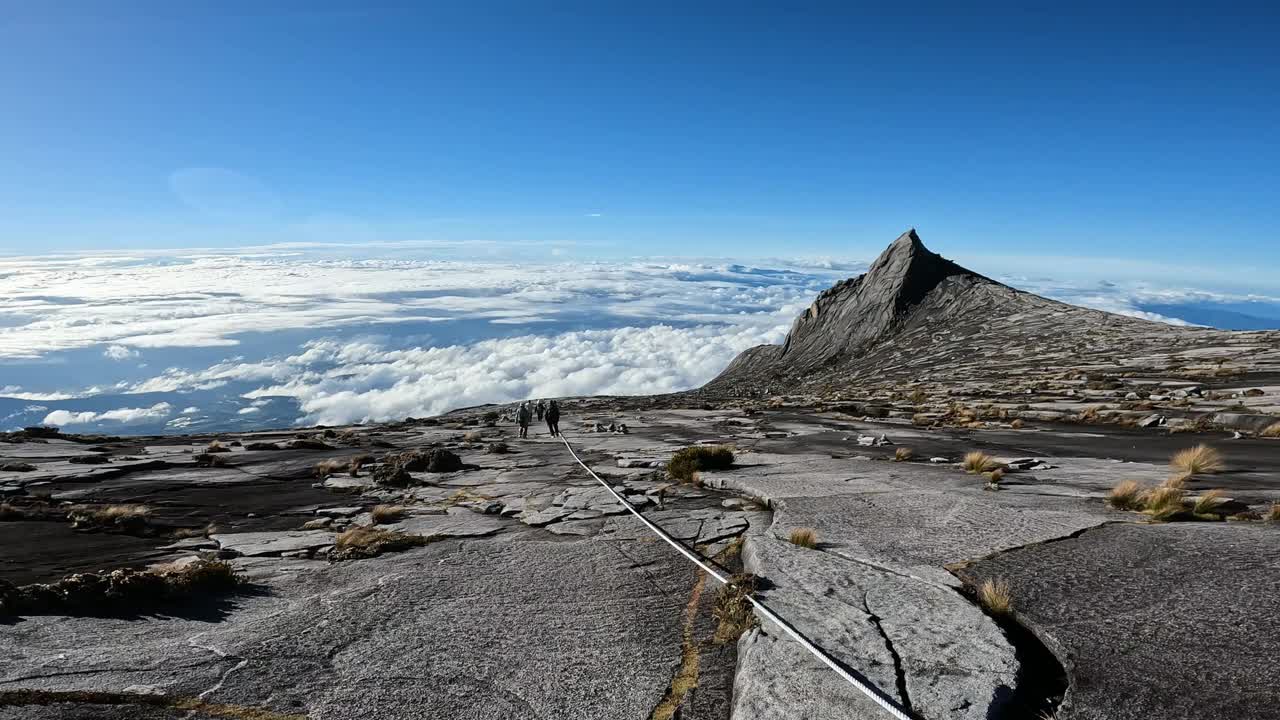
x=366, y=541
x=903, y=454
x=1271, y=431
x=125, y=591
x=685, y=463
x=124, y=518
x=498, y=448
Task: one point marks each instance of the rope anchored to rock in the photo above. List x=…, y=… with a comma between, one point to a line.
x=850, y=676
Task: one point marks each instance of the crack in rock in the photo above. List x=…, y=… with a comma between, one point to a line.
x=898, y=670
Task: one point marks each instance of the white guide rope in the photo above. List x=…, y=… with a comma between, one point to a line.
x=876, y=694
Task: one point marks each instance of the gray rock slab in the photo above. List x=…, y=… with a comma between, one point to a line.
x=273, y=543
x=1191, y=606
x=565, y=629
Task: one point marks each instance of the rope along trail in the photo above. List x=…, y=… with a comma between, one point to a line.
x=851, y=677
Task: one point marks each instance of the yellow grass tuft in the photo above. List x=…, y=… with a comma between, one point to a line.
x=903, y=454
x=1017, y=424
x=1165, y=503
x=994, y=595
x=387, y=514
x=1273, y=515
x=978, y=461
x=1177, y=480
x=804, y=537
x=1207, y=502
x=1271, y=431
x=1199, y=460
x=1128, y=495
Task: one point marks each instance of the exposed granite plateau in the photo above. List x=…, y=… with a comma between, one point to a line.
x=444, y=568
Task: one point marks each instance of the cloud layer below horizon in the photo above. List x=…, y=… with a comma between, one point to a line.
x=351, y=340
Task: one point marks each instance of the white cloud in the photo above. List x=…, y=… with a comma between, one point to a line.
x=126, y=416
x=248, y=411
x=190, y=410
x=119, y=352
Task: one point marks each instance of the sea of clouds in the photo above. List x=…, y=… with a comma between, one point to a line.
x=202, y=340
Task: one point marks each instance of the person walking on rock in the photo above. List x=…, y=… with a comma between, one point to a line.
x=540, y=409
x=523, y=416
x=553, y=419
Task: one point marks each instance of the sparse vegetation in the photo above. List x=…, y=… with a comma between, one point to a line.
x=366, y=541
x=498, y=448
x=903, y=454
x=1271, y=431
x=1273, y=515
x=474, y=436
x=1128, y=495
x=977, y=462
x=691, y=460
x=732, y=609
x=122, y=591
x=995, y=476
x=1199, y=460
x=387, y=514
x=1208, y=501
x=994, y=595
x=206, y=459
x=804, y=537
x=1177, y=480
x=332, y=466
x=216, y=446
x=1165, y=503
x=124, y=518
x=1017, y=424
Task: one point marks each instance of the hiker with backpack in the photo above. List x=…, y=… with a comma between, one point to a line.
x=523, y=416
x=553, y=419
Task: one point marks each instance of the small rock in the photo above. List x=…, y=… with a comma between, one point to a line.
x=938, y=460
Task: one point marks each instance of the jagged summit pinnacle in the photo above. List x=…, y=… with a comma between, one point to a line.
x=853, y=315
x=855, y=312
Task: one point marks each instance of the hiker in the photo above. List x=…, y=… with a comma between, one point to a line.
x=523, y=415
x=553, y=419
x=541, y=410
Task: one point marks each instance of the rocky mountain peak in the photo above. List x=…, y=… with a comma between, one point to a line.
x=855, y=312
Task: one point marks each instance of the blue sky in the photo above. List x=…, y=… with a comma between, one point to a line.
x=615, y=129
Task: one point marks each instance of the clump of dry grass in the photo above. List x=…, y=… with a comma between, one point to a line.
x=691, y=460
x=903, y=454
x=124, y=517
x=1177, y=480
x=1127, y=495
x=732, y=609
x=366, y=541
x=1199, y=460
x=474, y=436
x=1273, y=515
x=333, y=466
x=994, y=595
x=1271, y=431
x=977, y=461
x=921, y=419
x=1207, y=502
x=1017, y=424
x=387, y=514
x=216, y=446
x=804, y=537
x=1165, y=503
